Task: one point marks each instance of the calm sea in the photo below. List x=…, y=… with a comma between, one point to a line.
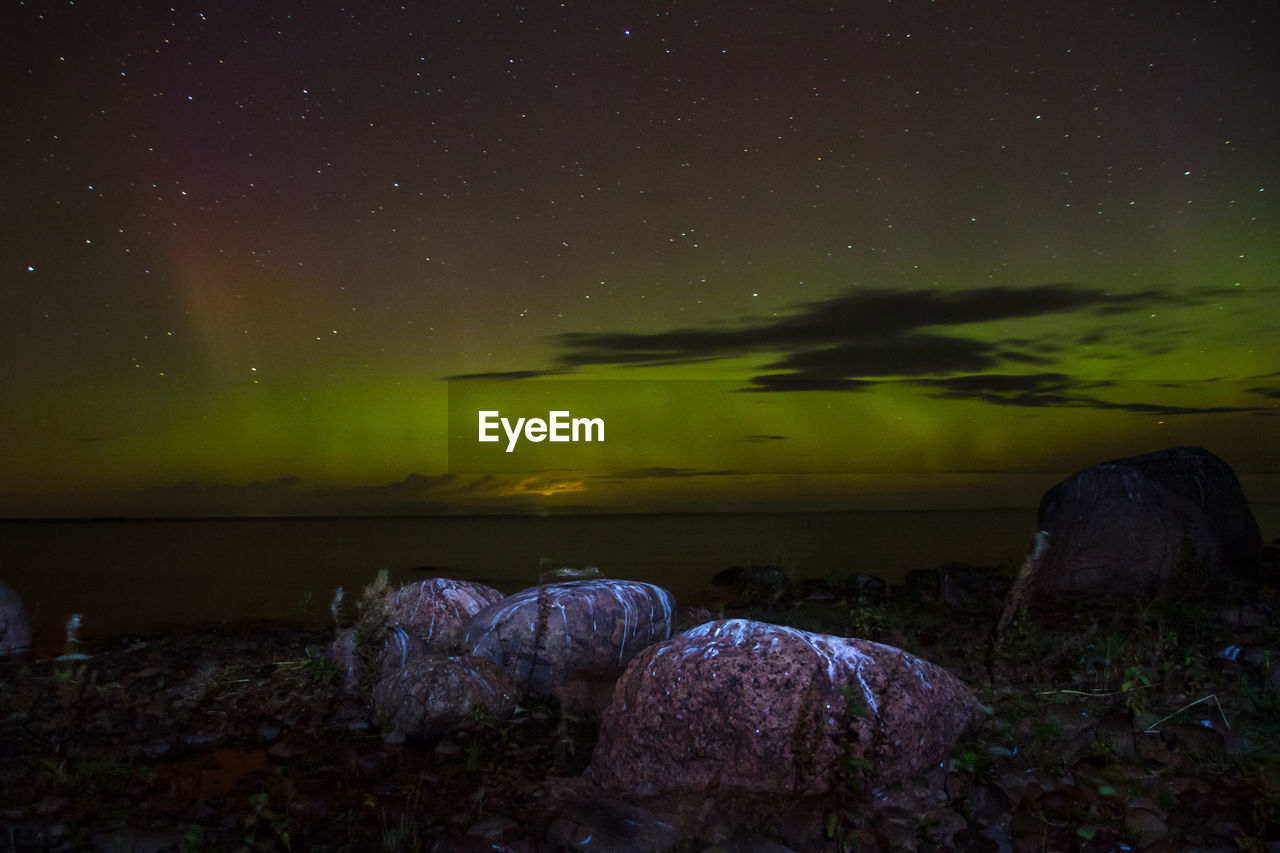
x=147, y=576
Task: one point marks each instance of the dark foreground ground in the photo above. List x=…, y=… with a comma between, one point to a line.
x=1155, y=728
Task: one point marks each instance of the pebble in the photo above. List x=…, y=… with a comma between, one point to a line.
x=496, y=829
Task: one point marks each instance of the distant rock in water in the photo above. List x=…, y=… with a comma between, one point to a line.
x=744, y=706
x=863, y=587
x=15, y=625
x=548, y=636
x=754, y=585
x=1169, y=522
x=567, y=573
x=967, y=588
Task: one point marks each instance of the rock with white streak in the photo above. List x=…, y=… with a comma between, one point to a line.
x=433, y=694
x=435, y=613
x=737, y=705
x=550, y=636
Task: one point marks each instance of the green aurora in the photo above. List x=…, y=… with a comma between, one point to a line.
x=800, y=259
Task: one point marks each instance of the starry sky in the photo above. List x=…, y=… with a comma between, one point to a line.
x=271, y=257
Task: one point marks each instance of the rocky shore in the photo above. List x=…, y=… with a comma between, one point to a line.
x=1119, y=691
x=1153, y=727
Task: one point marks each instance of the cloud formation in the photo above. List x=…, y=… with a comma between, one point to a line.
x=869, y=337
x=1053, y=390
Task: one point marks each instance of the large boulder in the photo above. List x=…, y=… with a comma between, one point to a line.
x=748, y=706
x=436, y=613
x=433, y=694
x=550, y=635
x=1172, y=521
x=15, y=626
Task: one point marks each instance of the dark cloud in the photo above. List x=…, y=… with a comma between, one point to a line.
x=869, y=337
x=1039, y=345
x=508, y=375
x=795, y=382
x=762, y=438
x=868, y=333
x=257, y=487
x=859, y=317
x=1052, y=390
x=666, y=473
x=909, y=355
x=414, y=485
x=1096, y=337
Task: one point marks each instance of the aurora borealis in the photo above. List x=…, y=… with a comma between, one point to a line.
x=852, y=255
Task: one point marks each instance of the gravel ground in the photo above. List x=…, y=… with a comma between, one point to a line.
x=1153, y=728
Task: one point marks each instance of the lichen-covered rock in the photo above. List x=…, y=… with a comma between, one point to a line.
x=547, y=636
x=1171, y=522
x=433, y=694
x=437, y=612
x=15, y=626
x=749, y=706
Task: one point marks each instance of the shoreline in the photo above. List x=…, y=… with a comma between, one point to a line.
x=211, y=733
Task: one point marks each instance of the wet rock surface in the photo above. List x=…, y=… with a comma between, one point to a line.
x=1107, y=729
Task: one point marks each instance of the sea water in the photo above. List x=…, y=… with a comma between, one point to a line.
x=144, y=576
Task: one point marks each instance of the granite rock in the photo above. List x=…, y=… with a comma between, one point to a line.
x=553, y=634
x=432, y=694
x=755, y=707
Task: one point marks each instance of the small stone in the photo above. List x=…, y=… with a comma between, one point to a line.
x=157, y=749
x=898, y=832
x=51, y=804
x=371, y=764
x=316, y=808
x=944, y=825
x=1144, y=824
x=496, y=829
x=199, y=812
x=999, y=836
x=290, y=748
x=758, y=845
x=987, y=805
x=615, y=826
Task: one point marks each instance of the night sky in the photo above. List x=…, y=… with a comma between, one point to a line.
x=866, y=254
